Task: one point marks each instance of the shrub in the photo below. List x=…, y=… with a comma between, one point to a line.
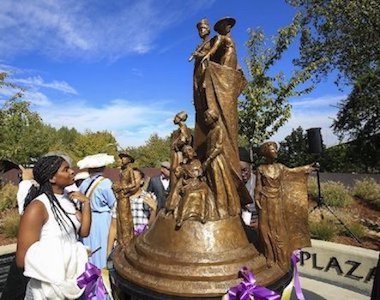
x=356, y=228
x=8, y=196
x=312, y=187
x=10, y=224
x=369, y=190
x=324, y=229
x=335, y=194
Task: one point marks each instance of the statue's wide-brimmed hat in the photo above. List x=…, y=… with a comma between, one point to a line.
x=96, y=161
x=222, y=23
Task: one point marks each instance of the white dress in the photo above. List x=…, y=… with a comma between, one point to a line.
x=55, y=261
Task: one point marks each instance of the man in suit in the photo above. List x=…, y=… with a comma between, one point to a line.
x=159, y=185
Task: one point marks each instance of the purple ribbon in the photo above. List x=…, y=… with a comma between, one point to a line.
x=248, y=287
x=140, y=229
x=297, y=284
x=92, y=280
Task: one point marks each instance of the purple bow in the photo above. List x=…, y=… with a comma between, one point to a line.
x=297, y=284
x=248, y=287
x=92, y=280
x=140, y=229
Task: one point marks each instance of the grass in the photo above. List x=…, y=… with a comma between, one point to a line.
x=368, y=190
x=8, y=197
x=10, y=224
x=333, y=193
x=324, y=229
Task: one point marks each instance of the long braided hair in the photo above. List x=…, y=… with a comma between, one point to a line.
x=45, y=169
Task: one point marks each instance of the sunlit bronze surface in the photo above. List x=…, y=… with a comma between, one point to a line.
x=199, y=88
x=217, y=169
x=195, y=260
x=181, y=137
x=197, y=245
x=193, y=196
x=124, y=216
x=281, y=200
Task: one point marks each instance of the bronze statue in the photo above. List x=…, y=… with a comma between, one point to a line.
x=181, y=137
x=197, y=201
x=199, y=93
x=217, y=169
x=281, y=200
x=197, y=245
x=223, y=50
x=122, y=190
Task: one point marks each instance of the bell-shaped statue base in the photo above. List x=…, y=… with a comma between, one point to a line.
x=196, y=260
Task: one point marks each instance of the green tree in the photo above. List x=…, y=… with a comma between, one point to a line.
x=294, y=149
x=23, y=135
x=265, y=107
x=90, y=143
x=344, y=36
x=340, y=35
x=151, y=154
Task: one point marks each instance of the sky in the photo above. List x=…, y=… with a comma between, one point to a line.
x=122, y=65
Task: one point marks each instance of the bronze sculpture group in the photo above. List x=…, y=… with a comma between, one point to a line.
x=196, y=245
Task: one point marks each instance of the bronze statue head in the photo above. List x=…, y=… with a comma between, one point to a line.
x=188, y=152
x=181, y=116
x=211, y=116
x=269, y=149
x=203, y=28
x=224, y=25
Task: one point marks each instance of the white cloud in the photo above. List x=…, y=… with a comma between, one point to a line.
x=88, y=29
x=323, y=101
x=37, y=81
x=131, y=123
x=313, y=112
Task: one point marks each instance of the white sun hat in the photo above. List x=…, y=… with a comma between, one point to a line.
x=81, y=175
x=96, y=161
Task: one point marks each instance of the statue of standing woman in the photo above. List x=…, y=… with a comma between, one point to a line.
x=281, y=200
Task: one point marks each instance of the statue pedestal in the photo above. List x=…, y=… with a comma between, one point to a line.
x=195, y=261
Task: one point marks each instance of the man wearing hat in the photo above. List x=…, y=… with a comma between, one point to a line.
x=99, y=190
x=159, y=185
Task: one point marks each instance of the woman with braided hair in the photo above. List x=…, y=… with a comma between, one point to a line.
x=47, y=242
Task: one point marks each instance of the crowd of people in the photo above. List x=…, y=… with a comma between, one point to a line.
x=69, y=219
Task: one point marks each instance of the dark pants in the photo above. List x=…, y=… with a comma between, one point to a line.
x=15, y=286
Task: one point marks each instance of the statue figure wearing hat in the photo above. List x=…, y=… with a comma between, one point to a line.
x=223, y=50
x=122, y=190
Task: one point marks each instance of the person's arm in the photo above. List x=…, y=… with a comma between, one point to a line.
x=112, y=234
x=85, y=226
x=34, y=217
x=151, y=201
x=215, y=46
x=24, y=186
x=258, y=188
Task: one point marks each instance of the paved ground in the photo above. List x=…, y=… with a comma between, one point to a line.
x=317, y=290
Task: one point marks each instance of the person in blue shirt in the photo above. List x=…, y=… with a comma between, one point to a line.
x=99, y=190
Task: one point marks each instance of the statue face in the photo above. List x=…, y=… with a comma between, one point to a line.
x=189, y=153
x=203, y=30
x=272, y=151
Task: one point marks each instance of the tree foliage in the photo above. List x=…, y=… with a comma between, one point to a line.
x=23, y=134
x=294, y=150
x=340, y=35
x=155, y=151
x=344, y=36
x=265, y=107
